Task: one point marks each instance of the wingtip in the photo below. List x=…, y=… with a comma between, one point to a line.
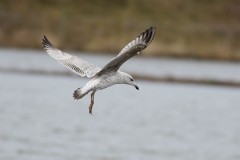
x=153, y=28
x=150, y=33
x=46, y=42
x=44, y=38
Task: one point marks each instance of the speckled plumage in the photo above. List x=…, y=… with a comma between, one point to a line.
x=109, y=74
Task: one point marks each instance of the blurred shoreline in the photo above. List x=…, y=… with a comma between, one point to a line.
x=197, y=29
x=150, y=78
x=186, y=71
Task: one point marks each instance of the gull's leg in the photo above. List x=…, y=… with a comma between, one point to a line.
x=92, y=102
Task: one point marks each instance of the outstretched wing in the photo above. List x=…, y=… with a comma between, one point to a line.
x=131, y=49
x=73, y=63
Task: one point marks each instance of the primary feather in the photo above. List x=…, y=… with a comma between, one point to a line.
x=73, y=63
x=131, y=49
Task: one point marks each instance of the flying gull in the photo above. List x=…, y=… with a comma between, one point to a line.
x=107, y=76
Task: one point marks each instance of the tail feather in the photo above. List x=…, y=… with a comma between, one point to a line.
x=77, y=94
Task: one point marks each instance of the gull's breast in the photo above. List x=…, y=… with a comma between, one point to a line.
x=105, y=81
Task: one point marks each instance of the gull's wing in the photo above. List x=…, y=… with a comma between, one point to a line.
x=131, y=49
x=73, y=63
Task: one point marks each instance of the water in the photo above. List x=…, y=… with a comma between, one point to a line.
x=189, y=69
x=40, y=120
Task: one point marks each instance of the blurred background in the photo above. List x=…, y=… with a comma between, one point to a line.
x=189, y=79
x=191, y=28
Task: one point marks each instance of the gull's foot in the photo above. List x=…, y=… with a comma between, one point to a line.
x=90, y=108
x=92, y=102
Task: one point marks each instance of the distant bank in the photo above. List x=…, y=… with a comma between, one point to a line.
x=37, y=62
x=198, y=29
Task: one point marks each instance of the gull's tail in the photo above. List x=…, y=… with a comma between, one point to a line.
x=78, y=94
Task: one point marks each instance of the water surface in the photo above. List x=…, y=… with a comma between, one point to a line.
x=40, y=120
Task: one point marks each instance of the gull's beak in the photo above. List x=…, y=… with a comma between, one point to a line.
x=136, y=87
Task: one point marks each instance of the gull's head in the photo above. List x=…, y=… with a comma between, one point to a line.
x=129, y=80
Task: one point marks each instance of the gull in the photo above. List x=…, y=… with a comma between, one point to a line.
x=107, y=76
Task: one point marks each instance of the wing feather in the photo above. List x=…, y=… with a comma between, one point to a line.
x=73, y=63
x=131, y=49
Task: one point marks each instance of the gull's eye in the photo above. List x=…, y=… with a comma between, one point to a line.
x=131, y=79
